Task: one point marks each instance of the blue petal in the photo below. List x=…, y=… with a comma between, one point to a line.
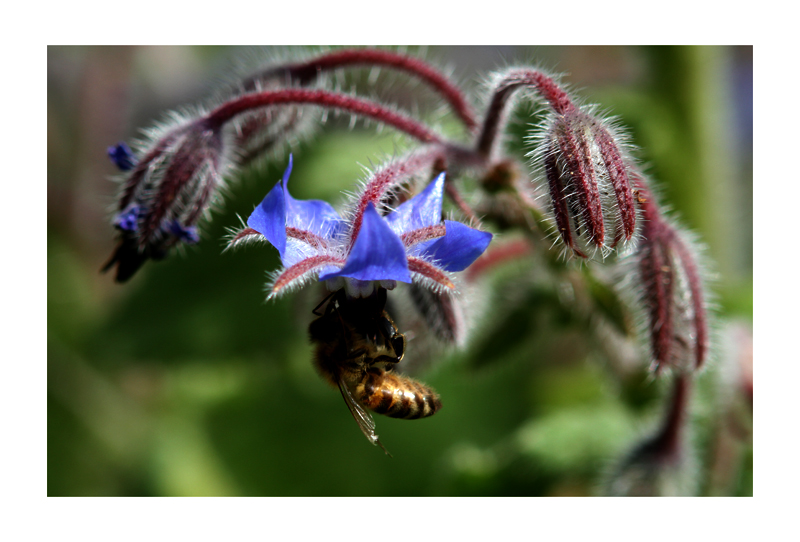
x=269, y=218
x=459, y=247
x=128, y=219
x=122, y=156
x=377, y=254
x=329, y=272
x=313, y=215
x=188, y=235
x=424, y=209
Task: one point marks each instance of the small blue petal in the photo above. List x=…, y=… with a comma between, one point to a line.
x=122, y=156
x=128, y=219
x=188, y=235
x=459, y=247
x=424, y=209
x=269, y=218
x=313, y=215
x=377, y=254
x=280, y=210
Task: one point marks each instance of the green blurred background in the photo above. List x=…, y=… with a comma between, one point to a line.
x=184, y=382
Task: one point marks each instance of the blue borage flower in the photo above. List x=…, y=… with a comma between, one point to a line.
x=409, y=244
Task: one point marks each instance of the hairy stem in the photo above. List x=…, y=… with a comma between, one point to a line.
x=557, y=99
x=305, y=72
x=322, y=98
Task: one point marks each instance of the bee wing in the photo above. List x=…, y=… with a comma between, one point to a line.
x=362, y=417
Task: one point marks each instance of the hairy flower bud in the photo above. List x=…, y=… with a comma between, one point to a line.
x=587, y=178
x=442, y=312
x=671, y=291
x=165, y=193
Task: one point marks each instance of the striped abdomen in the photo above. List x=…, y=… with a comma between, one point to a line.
x=396, y=396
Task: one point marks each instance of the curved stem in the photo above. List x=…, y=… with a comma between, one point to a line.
x=322, y=98
x=669, y=440
x=304, y=72
x=557, y=99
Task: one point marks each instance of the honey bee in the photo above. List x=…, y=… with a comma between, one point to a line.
x=358, y=348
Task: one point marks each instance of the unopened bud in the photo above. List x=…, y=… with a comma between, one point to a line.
x=165, y=193
x=672, y=294
x=442, y=312
x=587, y=179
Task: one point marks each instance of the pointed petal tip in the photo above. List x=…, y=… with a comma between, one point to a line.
x=269, y=218
x=460, y=246
x=288, y=171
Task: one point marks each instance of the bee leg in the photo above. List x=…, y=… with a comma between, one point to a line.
x=390, y=361
x=327, y=310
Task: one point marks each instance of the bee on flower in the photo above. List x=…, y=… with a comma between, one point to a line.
x=358, y=346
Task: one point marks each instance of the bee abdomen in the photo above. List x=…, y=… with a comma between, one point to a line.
x=397, y=396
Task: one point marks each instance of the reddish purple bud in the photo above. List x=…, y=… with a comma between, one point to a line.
x=166, y=193
x=587, y=179
x=672, y=293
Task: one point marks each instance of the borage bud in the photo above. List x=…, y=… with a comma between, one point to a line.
x=587, y=179
x=671, y=292
x=165, y=192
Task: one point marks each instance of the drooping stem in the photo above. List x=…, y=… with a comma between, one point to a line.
x=498, y=255
x=557, y=99
x=669, y=440
x=322, y=98
x=305, y=72
x=455, y=196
